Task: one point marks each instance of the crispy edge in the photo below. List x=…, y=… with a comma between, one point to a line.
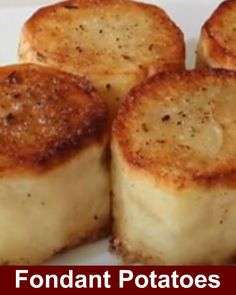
x=94, y=129
x=224, y=176
x=130, y=257
x=210, y=52
x=27, y=50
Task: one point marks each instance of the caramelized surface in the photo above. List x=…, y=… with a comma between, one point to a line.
x=45, y=116
x=182, y=128
x=217, y=43
x=115, y=44
x=222, y=26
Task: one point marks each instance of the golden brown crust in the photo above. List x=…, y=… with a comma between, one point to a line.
x=46, y=116
x=35, y=25
x=116, y=44
x=172, y=56
x=128, y=257
x=216, y=47
x=132, y=257
x=170, y=162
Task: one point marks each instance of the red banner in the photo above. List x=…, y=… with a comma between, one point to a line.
x=151, y=279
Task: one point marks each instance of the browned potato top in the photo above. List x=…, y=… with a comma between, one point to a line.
x=45, y=116
x=181, y=128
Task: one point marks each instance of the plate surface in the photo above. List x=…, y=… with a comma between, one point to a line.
x=188, y=15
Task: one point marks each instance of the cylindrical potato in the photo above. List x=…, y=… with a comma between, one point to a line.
x=174, y=170
x=217, y=44
x=114, y=43
x=53, y=177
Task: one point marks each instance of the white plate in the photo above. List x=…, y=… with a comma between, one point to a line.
x=189, y=15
